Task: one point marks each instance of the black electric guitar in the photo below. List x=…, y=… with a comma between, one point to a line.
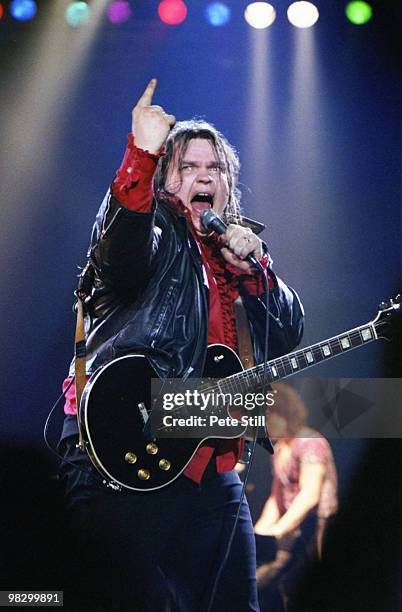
x=116, y=405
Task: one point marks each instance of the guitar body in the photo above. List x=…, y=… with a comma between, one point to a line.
x=114, y=408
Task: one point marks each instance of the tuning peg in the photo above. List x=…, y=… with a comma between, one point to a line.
x=395, y=302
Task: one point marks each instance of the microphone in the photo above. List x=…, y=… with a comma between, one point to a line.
x=211, y=221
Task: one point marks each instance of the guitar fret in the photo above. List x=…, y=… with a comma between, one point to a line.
x=317, y=353
x=302, y=360
x=356, y=338
x=281, y=367
x=335, y=346
x=246, y=381
x=287, y=366
x=276, y=369
x=228, y=385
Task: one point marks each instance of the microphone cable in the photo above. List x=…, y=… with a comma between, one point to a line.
x=251, y=452
x=53, y=450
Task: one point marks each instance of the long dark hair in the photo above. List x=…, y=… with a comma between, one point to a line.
x=176, y=146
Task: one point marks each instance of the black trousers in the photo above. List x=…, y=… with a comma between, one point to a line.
x=158, y=551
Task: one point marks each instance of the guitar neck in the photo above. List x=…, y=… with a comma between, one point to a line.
x=300, y=360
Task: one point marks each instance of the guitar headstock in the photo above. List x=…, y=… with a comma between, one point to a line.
x=387, y=310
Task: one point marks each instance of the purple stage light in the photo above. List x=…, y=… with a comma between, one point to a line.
x=119, y=11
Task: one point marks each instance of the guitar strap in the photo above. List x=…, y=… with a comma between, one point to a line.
x=80, y=351
x=246, y=355
x=243, y=335
x=80, y=378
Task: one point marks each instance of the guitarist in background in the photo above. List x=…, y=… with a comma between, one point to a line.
x=161, y=285
x=299, y=510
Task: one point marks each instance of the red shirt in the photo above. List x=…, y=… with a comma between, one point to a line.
x=133, y=188
x=309, y=447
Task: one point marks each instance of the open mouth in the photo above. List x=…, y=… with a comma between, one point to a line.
x=202, y=200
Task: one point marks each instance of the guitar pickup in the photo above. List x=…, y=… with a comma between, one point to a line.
x=143, y=412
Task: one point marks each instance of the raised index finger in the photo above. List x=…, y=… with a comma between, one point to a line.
x=146, y=97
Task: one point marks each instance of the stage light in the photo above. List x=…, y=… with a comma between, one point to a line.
x=303, y=14
x=359, y=13
x=1, y=11
x=260, y=15
x=23, y=10
x=77, y=14
x=217, y=13
x=119, y=11
x=172, y=12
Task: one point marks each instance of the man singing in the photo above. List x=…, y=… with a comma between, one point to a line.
x=164, y=286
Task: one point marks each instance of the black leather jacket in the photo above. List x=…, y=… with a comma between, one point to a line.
x=149, y=295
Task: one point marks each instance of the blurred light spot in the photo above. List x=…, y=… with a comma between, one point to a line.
x=119, y=11
x=23, y=10
x=77, y=14
x=303, y=14
x=260, y=15
x=1, y=11
x=217, y=13
x=358, y=12
x=172, y=12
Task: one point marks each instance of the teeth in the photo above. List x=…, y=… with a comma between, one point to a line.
x=202, y=195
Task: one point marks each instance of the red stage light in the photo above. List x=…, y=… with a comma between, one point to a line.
x=1, y=11
x=172, y=12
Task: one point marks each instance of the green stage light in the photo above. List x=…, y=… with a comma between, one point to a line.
x=359, y=13
x=77, y=14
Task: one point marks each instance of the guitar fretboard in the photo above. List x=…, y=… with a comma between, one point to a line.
x=289, y=364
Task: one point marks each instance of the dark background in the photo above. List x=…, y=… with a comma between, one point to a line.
x=315, y=117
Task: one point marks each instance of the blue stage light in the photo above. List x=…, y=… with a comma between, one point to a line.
x=23, y=10
x=217, y=13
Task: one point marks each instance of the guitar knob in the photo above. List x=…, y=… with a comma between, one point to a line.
x=151, y=448
x=164, y=465
x=130, y=458
x=144, y=474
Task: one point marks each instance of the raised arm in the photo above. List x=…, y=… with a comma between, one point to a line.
x=150, y=124
x=123, y=241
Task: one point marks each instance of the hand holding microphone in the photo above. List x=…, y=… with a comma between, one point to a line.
x=243, y=248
